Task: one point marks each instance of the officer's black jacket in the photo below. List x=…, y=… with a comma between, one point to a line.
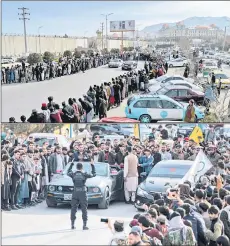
x=79, y=178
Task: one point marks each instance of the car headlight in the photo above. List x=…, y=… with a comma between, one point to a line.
x=59, y=188
x=51, y=188
x=95, y=189
x=141, y=192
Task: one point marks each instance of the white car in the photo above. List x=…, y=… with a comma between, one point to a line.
x=190, y=85
x=166, y=78
x=115, y=63
x=210, y=65
x=179, y=62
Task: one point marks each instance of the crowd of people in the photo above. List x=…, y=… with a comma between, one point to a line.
x=24, y=72
x=186, y=215
x=98, y=100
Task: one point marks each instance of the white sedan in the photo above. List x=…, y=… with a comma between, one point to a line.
x=166, y=78
x=179, y=62
x=210, y=65
x=115, y=63
x=155, y=87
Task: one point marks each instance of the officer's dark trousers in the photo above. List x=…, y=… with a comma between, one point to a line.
x=15, y=191
x=79, y=197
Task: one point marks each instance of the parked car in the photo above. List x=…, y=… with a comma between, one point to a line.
x=148, y=108
x=107, y=186
x=224, y=79
x=129, y=65
x=108, y=129
x=164, y=175
x=185, y=129
x=155, y=87
x=166, y=78
x=52, y=139
x=181, y=93
x=179, y=62
x=210, y=65
x=115, y=63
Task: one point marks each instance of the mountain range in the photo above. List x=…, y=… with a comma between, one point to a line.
x=220, y=22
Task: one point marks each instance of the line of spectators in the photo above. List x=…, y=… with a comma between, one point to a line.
x=185, y=216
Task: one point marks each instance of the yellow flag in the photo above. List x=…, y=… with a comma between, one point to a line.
x=197, y=135
x=136, y=131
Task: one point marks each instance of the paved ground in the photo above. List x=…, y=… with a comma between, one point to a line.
x=19, y=99
x=50, y=226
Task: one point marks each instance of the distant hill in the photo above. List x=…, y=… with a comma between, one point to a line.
x=220, y=22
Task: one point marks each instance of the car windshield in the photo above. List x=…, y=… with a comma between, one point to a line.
x=41, y=140
x=101, y=168
x=222, y=76
x=162, y=91
x=169, y=171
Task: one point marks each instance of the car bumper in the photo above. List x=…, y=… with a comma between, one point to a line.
x=55, y=197
x=140, y=201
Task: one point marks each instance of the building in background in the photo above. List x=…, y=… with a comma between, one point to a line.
x=197, y=32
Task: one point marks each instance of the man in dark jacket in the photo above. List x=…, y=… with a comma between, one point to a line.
x=56, y=162
x=101, y=156
x=36, y=117
x=120, y=156
x=225, y=216
x=198, y=224
x=17, y=175
x=156, y=154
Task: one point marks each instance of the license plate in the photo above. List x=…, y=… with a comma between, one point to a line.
x=67, y=197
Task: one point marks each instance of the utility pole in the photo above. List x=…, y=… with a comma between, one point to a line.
x=24, y=18
x=225, y=32
x=106, y=30
x=102, y=35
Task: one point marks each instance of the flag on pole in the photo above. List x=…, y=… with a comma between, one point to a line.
x=197, y=135
x=136, y=131
x=200, y=166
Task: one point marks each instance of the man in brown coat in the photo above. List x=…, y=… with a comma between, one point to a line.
x=130, y=175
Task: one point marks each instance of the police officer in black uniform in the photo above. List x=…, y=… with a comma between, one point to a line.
x=80, y=192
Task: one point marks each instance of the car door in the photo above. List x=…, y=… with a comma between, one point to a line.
x=183, y=95
x=154, y=109
x=117, y=177
x=173, y=93
x=174, y=111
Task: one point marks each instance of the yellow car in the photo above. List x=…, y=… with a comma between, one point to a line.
x=224, y=78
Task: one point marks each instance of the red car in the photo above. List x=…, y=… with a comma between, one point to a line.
x=182, y=93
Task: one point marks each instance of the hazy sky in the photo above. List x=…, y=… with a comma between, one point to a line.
x=84, y=18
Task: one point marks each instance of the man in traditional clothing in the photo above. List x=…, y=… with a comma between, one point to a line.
x=130, y=175
x=6, y=171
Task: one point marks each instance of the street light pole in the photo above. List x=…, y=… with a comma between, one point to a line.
x=39, y=36
x=106, y=30
x=85, y=38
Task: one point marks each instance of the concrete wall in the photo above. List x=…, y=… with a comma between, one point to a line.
x=15, y=45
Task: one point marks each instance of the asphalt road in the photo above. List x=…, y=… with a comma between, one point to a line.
x=20, y=99
x=41, y=225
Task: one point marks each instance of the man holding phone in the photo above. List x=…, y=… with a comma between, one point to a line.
x=79, y=196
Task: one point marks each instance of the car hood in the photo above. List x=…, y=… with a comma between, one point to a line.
x=64, y=180
x=158, y=184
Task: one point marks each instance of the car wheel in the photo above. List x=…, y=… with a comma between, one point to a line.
x=104, y=204
x=51, y=204
x=145, y=118
x=170, y=65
